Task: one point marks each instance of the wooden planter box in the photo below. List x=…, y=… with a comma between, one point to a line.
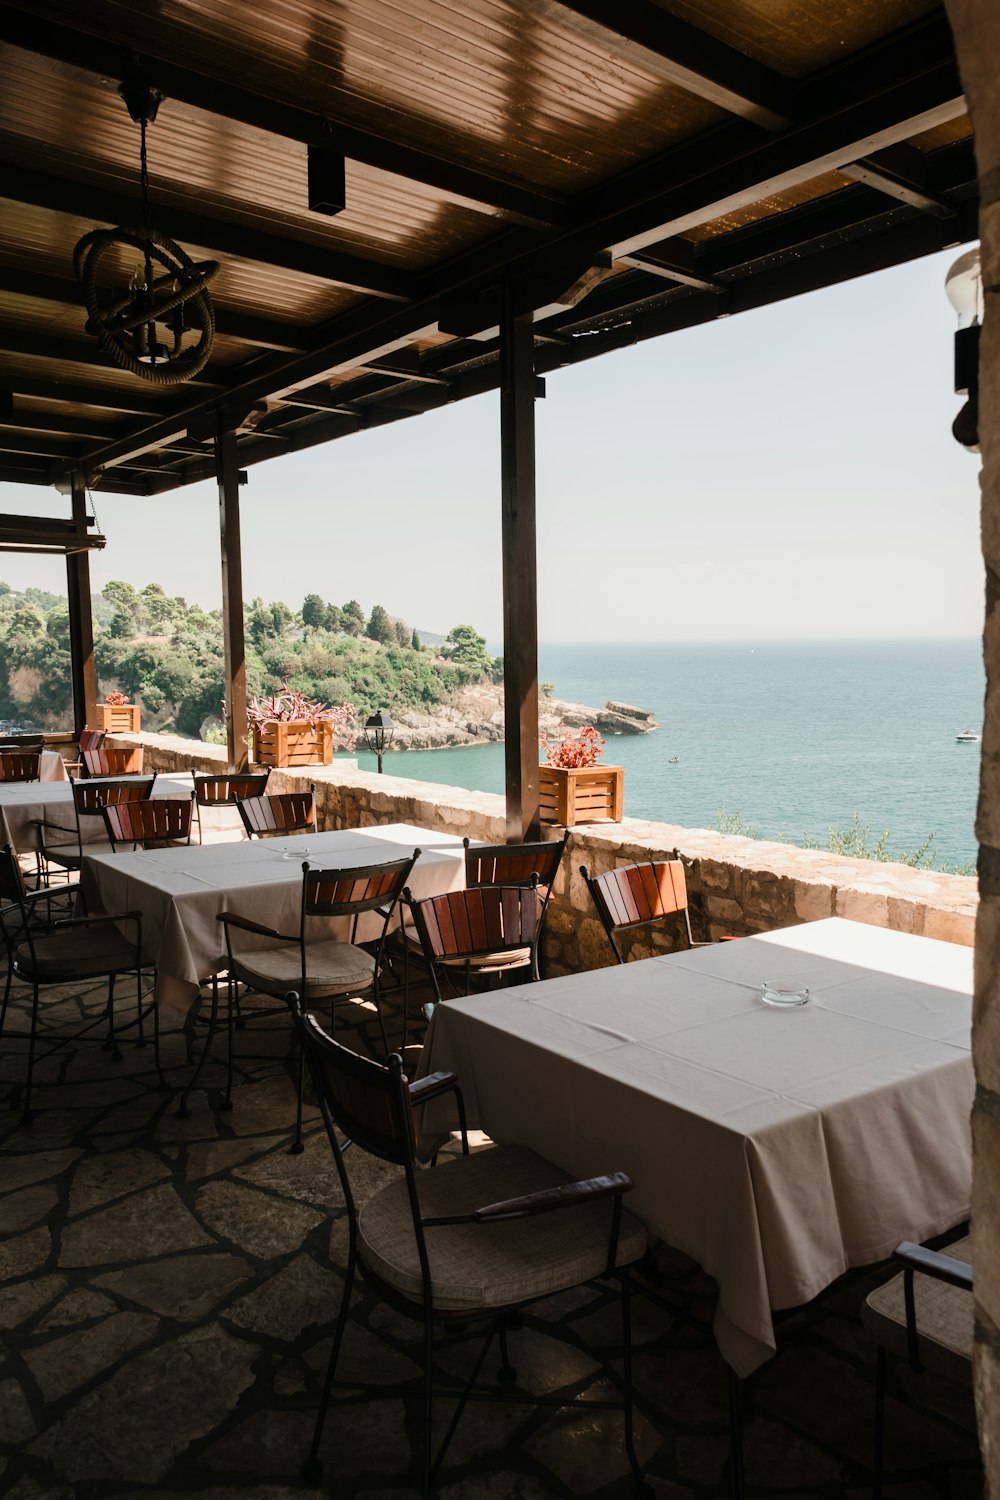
x=293, y=742
x=117, y=718
x=581, y=794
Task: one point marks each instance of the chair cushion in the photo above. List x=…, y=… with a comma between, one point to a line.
x=77, y=953
x=514, y=959
x=490, y=1265
x=332, y=968
x=944, y=1318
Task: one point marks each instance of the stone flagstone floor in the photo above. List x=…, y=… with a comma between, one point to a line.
x=167, y=1290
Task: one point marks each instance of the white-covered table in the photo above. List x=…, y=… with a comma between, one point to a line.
x=24, y=803
x=52, y=767
x=180, y=892
x=776, y=1147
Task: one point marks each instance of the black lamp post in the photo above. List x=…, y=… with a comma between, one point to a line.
x=379, y=730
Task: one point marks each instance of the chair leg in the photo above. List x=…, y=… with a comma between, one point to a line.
x=156, y=1029
x=227, y=1102
x=298, y=1145
x=6, y=996
x=506, y=1375
x=312, y=1469
x=641, y=1487
x=879, y=1423
x=116, y=1051
x=182, y=1109
x=26, y=1111
x=427, y=1459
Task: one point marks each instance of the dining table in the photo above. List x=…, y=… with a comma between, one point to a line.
x=25, y=803
x=181, y=892
x=52, y=767
x=777, y=1145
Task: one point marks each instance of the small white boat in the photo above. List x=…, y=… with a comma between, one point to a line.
x=967, y=737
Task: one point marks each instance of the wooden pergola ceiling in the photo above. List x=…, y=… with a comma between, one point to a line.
x=623, y=168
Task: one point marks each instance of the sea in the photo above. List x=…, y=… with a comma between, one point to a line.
x=782, y=740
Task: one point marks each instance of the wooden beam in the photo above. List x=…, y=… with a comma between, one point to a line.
x=84, y=352
x=520, y=581
x=207, y=232
x=227, y=473
x=98, y=53
x=899, y=172
x=681, y=54
x=81, y=624
x=230, y=323
x=119, y=399
x=44, y=421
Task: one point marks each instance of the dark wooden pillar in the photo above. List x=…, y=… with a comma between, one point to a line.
x=81, y=623
x=227, y=472
x=520, y=583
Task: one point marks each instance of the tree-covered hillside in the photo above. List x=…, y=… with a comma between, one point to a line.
x=167, y=654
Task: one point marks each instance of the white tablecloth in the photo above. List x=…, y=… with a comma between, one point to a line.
x=23, y=803
x=181, y=892
x=776, y=1147
x=52, y=766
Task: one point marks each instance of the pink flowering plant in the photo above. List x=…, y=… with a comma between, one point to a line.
x=583, y=749
x=115, y=699
x=289, y=704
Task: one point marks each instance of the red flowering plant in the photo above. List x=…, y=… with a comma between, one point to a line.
x=115, y=699
x=289, y=704
x=571, y=751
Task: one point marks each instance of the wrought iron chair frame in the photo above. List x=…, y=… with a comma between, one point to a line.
x=383, y=902
x=204, y=784
x=96, y=763
x=15, y=900
x=90, y=796
x=492, y=942
x=595, y=885
x=246, y=805
x=158, y=822
x=396, y=1143
x=23, y=765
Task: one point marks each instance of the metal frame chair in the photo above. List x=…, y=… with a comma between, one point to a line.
x=894, y=1313
x=20, y=765
x=475, y=1239
x=639, y=895
x=90, y=739
x=90, y=797
x=226, y=790
x=278, y=813
x=326, y=969
x=64, y=952
x=112, y=760
x=150, y=823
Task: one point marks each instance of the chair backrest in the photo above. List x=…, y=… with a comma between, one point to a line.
x=486, y=919
x=157, y=820
x=366, y=1101
x=113, y=760
x=279, y=812
x=228, y=789
x=91, y=739
x=514, y=864
x=637, y=895
x=11, y=879
x=344, y=893
x=20, y=765
x=91, y=797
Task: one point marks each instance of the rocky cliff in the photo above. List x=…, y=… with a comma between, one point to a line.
x=475, y=717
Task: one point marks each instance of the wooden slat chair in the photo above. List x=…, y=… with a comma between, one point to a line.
x=90, y=739
x=639, y=896
x=278, y=813
x=20, y=765
x=23, y=742
x=497, y=864
x=150, y=823
x=58, y=846
x=314, y=964
x=227, y=790
x=473, y=1240
x=64, y=952
x=925, y=1315
x=113, y=760
x=488, y=930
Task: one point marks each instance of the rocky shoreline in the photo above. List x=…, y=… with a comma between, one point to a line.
x=475, y=717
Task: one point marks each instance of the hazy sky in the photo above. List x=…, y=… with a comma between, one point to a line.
x=787, y=473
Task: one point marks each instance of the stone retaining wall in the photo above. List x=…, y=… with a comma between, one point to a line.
x=738, y=885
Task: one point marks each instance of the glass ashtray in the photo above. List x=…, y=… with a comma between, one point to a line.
x=296, y=854
x=784, y=998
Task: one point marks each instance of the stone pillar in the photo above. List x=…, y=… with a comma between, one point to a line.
x=976, y=25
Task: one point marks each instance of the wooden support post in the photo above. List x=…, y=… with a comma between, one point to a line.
x=81, y=623
x=227, y=473
x=520, y=582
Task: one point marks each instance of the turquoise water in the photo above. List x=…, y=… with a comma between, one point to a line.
x=795, y=738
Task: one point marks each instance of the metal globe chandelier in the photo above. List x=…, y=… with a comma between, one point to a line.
x=167, y=287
